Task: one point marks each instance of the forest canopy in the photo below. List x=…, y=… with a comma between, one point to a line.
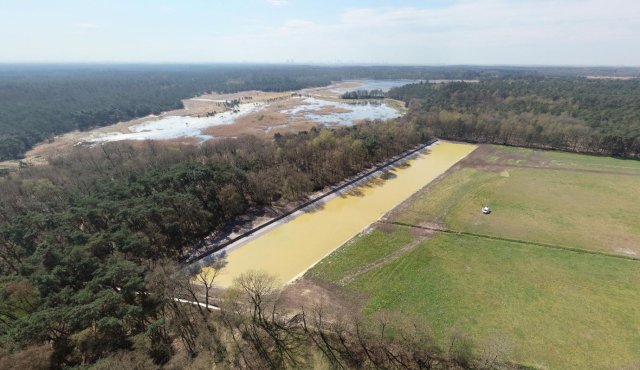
x=598, y=116
x=38, y=102
x=79, y=237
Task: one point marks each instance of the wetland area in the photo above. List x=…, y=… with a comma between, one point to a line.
x=258, y=113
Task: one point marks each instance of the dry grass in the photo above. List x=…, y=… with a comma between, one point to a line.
x=330, y=109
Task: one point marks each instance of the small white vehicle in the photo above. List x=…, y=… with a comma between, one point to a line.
x=486, y=210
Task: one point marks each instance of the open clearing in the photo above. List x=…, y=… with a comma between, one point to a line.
x=559, y=309
x=553, y=270
x=563, y=199
x=259, y=113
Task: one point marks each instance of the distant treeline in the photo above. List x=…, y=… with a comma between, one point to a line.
x=574, y=114
x=40, y=101
x=364, y=94
x=79, y=237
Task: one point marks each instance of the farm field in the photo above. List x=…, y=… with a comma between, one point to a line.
x=556, y=309
x=552, y=274
x=563, y=199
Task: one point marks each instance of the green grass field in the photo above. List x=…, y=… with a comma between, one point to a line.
x=348, y=258
x=589, y=210
x=589, y=162
x=561, y=309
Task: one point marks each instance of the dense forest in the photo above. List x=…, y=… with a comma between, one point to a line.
x=575, y=114
x=81, y=238
x=38, y=102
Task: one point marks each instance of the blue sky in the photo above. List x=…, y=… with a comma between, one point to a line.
x=529, y=32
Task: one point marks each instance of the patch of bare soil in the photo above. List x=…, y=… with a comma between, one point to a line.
x=314, y=294
x=627, y=251
x=209, y=103
x=489, y=158
x=385, y=227
x=9, y=165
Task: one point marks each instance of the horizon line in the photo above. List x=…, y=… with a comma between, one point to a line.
x=321, y=64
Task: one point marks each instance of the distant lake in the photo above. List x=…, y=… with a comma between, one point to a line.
x=384, y=85
x=358, y=111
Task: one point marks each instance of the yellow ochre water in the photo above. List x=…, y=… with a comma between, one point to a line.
x=289, y=249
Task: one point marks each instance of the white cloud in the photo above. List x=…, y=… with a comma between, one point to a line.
x=466, y=31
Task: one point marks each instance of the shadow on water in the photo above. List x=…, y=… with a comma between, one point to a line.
x=278, y=251
x=217, y=261
x=388, y=175
x=358, y=191
x=315, y=207
x=353, y=192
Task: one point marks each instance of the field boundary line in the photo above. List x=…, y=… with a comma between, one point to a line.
x=382, y=261
x=563, y=169
x=519, y=241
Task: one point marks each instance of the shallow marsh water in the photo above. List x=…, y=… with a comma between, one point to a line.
x=173, y=127
x=346, y=115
